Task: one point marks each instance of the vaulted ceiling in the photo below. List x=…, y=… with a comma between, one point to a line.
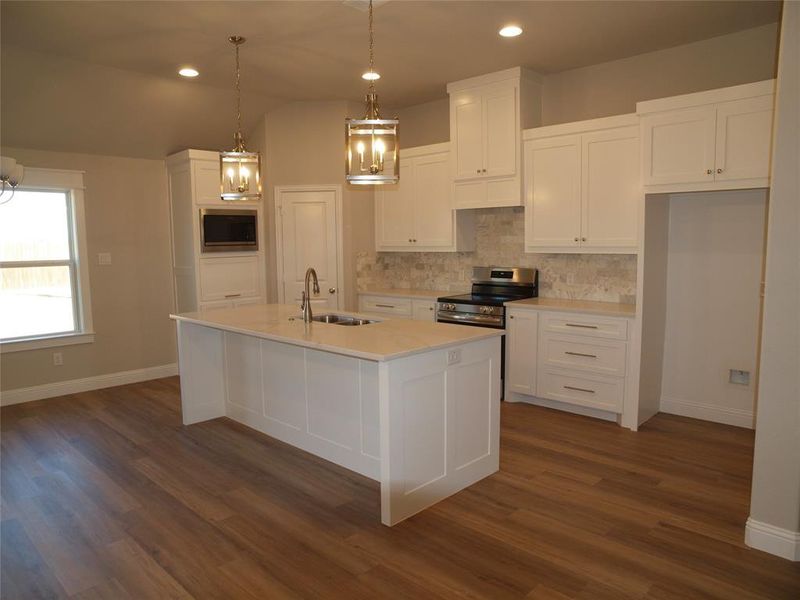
x=94, y=66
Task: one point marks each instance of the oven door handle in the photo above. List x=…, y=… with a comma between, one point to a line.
x=472, y=318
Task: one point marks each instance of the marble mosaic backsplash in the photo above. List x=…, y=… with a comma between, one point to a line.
x=499, y=242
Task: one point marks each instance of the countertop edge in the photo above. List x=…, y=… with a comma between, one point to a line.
x=487, y=334
x=597, y=311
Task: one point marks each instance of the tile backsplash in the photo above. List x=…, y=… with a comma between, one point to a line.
x=499, y=242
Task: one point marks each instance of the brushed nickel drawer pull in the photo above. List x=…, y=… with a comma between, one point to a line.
x=577, y=389
x=232, y=295
x=385, y=305
x=580, y=354
x=581, y=326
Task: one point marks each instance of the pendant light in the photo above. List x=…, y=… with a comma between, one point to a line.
x=372, y=150
x=240, y=170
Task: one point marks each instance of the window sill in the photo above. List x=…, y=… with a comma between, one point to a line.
x=71, y=339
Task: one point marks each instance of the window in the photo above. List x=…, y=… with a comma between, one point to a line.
x=44, y=294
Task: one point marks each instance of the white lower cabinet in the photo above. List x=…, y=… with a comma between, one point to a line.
x=573, y=358
x=522, y=327
x=398, y=307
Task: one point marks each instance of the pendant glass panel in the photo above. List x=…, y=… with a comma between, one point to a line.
x=240, y=175
x=372, y=151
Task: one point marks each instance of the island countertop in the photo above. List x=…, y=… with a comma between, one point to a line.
x=383, y=340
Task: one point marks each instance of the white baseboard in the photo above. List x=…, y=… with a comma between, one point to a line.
x=774, y=540
x=707, y=412
x=74, y=386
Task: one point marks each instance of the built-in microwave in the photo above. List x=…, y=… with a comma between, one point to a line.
x=223, y=230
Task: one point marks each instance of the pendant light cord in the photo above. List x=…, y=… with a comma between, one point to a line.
x=371, y=50
x=238, y=101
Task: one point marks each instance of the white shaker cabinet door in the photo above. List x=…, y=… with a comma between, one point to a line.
x=610, y=188
x=501, y=130
x=467, y=123
x=744, y=134
x=522, y=338
x=423, y=310
x=552, y=192
x=433, y=207
x=395, y=211
x=679, y=147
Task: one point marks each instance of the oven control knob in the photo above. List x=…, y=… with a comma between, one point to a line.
x=451, y=307
x=486, y=310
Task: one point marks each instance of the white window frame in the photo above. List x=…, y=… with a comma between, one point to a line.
x=71, y=183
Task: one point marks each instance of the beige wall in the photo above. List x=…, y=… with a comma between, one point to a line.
x=613, y=88
x=126, y=206
x=303, y=143
x=776, y=474
x=714, y=258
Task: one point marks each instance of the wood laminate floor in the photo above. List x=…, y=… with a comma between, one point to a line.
x=106, y=495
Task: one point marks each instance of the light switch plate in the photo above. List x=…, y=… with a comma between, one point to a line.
x=104, y=258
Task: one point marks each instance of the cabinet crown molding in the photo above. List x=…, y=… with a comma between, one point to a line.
x=631, y=119
x=192, y=154
x=513, y=74
x=697, y=99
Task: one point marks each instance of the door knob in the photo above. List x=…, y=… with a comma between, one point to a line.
x=331, y=290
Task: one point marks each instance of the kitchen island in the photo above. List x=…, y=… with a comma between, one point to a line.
x=413, y=405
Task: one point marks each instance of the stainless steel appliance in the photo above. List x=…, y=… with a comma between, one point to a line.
x=225, y=230
x=483, y=307
x=491, y=287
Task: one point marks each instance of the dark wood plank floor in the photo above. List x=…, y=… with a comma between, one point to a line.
x=106, y=495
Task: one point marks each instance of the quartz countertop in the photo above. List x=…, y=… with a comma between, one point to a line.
x=590, y=307
x=383, y=340
x=408, y=293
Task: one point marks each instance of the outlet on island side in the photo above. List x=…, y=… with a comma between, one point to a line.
x=454, y=356
x=58, y=359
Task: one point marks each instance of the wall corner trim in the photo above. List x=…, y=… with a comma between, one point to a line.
x=74, y=386
x=774, y=540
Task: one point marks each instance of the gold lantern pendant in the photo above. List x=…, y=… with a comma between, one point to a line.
x=371, y=143
x=240, y=170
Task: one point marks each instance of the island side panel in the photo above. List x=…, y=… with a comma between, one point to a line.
x=320, y=402
x=202, y=371
x=440, y=425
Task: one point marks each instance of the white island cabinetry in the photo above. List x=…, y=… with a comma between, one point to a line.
x=413, y=405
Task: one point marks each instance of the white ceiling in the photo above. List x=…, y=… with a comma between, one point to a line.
x=310, y=50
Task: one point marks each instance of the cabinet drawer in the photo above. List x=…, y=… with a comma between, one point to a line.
x=603, y=393
x=585, y=325
x=228, y=278
x=398, y=307
x=594, y=355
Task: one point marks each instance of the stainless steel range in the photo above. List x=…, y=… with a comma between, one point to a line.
x=491, y=287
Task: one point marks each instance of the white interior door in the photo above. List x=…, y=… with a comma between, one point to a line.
x=308, y=237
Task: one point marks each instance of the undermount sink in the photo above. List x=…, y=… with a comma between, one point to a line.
x=341, y=320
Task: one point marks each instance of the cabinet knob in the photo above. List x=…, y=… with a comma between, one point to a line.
x=484, y=170
x=478, y=171
x=576, y=239
x=414, y=240
x=331, y=290
x=719, y=170
x=583, y=239
x=430, y=308
x=709, y=171
x=409, y=239
x=511, y=316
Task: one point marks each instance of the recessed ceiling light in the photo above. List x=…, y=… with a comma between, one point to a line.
x=510, y=31
x=371, y=76
x=188, y=72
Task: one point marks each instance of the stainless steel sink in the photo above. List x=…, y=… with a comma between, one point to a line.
x=341, y=320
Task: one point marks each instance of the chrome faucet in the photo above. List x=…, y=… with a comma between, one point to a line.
x=305, y=304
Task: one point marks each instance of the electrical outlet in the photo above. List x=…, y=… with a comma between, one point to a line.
x=104, y=258
x=58, y=359
x=454, y=356
x=739, y=377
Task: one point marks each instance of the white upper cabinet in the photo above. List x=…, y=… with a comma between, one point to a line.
x=716, y=140
x=416, y=214
x=487, y=115
x=582, y=188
